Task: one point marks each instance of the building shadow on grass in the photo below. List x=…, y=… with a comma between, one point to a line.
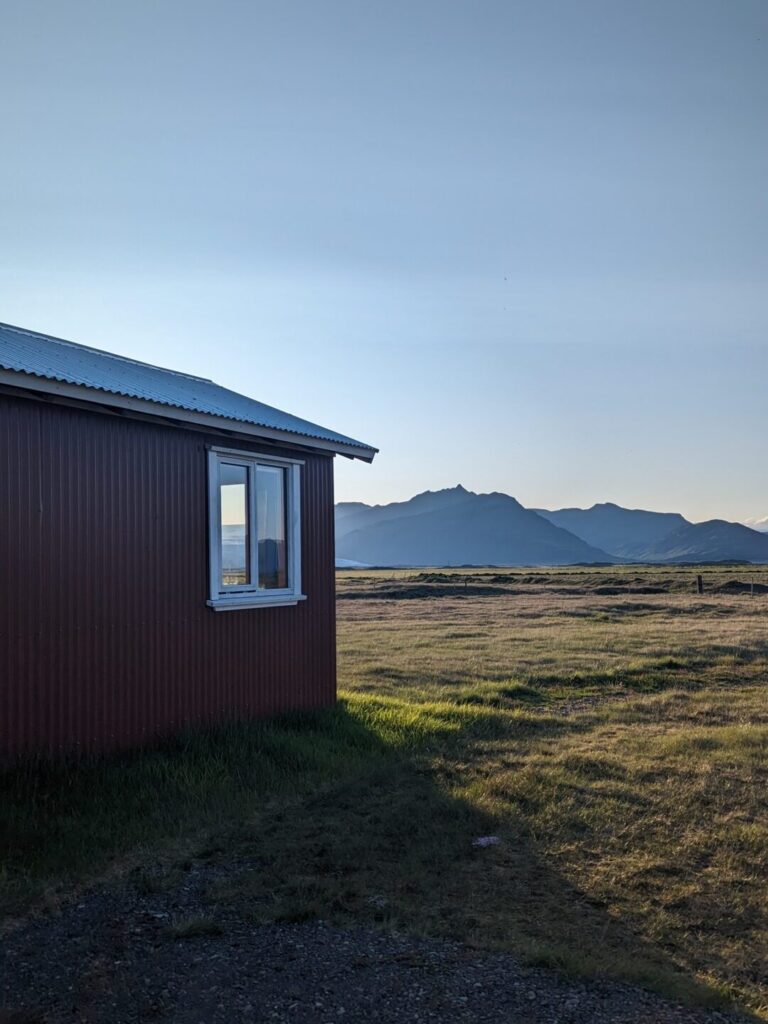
x=391, y=845
x=350, y=815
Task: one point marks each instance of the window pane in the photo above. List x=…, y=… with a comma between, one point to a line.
x=233, y=481
x=271, y=526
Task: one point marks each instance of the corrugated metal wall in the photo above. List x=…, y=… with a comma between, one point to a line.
x=105, y=637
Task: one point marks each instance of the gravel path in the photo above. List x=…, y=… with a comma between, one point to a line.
x=115, y=956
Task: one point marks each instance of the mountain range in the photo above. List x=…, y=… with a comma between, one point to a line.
x=458, y=527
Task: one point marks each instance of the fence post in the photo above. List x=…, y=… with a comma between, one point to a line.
x=699, y=584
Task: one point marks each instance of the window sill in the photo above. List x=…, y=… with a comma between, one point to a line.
x=231, y=604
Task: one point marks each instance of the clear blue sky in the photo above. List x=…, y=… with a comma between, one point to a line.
x=521, y=246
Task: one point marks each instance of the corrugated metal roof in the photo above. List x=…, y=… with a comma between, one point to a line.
x=57, y=360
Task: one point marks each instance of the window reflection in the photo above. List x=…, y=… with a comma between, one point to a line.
x=233, y=482
x=271, y=528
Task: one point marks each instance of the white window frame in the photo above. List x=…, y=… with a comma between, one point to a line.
x=248, y=595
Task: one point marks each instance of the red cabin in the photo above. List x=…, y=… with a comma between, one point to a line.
x=166, y=551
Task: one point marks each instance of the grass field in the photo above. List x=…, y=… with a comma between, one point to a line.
x=609, y=726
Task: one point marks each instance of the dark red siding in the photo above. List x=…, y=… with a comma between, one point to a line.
x=105, y=636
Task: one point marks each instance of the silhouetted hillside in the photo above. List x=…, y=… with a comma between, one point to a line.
x=713, y=541
x=625, y=532
x=354, y=515
x=457, y=527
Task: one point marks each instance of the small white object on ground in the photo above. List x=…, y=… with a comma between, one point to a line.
x=486, y=841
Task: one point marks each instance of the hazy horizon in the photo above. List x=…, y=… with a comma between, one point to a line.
x=516, y=245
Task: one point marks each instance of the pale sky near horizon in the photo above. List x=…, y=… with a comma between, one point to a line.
x=519, y=246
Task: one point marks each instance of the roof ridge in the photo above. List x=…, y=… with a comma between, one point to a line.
x=103, y=352
x=82, y=366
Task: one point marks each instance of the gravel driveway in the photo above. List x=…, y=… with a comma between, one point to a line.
x=116, y=956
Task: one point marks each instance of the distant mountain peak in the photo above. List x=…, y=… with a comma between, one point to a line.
x=715, y=540
x=500, y=496
x=625, y=532
x=455, y=526
x=458, y=490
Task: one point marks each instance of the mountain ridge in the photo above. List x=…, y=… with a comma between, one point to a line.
x=455, y=526
x=470, y=529
x=625, y=532
x=712, y=541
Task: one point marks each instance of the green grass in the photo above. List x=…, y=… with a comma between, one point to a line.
x=618, y=746
x=65, y=821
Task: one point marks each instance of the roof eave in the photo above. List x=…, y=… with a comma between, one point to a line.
x=142, y=406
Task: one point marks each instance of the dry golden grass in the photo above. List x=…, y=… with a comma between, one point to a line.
x=561, y=634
